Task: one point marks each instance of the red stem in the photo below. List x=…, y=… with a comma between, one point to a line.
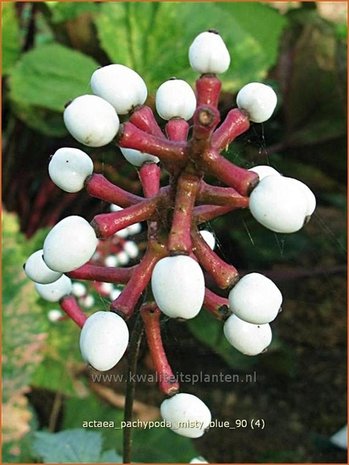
x=223, y=274
x=102, y=274
x=151, y=318
x=70, y=306
x=205, y=120
x=107, y=224
x=98, y=186
x=236, y=122
x=149, y=174
x=208, y=88
x=204, y=213
x=215, y=195
x=177, y=129
x=232, y=175
x=168, y=151
x=217, y=305
x=143, y=117
x=179, y=240
x=127, y=300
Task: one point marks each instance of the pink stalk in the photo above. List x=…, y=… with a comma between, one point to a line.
x=143, y=117
x=204, y=213
x=107, y=224
x=104, y=274
x=149, y=174
x=217, y=305
x=151, y=318
x=177, y=129
x=168, y=151
x=70, y=306
x=232, y=175
x=127, y=300
x=206, y=118
x=98, y=186
x=208, y=88
x=236, y=122
x=179, y=240
x=216, y=195
x=223, y=274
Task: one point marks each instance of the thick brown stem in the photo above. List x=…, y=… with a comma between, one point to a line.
x=205, y=120
x=236, y=122
x=98, y=186
x=70, y=306
x=102, y=274
x=223, y=274
x=151, y=318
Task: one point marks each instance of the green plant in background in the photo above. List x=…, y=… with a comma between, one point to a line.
x=45, y=68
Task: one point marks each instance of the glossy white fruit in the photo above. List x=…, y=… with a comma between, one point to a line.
x=134, y=228
x=209, y=238
x=209, y=54
x=264, y=170
x=115, y=208
x=79, y=289
x=119, y=85
x=54, y=315
x=178, y=286
x=69, y=168
x=131, y=248
x=175, y=99
x=137, y=158
x=91, y=120
x=111, y=261
x=69, y=244
x=198, y=460
x=259, y=100
x=37, y=270
x=187, y=414
x=103, y=340
x=115, y=294
x=88, y=301
x=248, y=338
x=53, y=292
x=279, y=204
x=106, y=288
x=310, y=197
x=255, y=298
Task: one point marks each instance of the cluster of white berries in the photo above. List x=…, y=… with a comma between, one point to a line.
x=279, y=203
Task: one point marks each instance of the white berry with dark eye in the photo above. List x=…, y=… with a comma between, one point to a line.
x=69, y=168
x=137, y=158
x=209, y=54
x=37, y=270
x=255, y=299
x=246, y=337
x=186, y=414
x=281, y=204
x=69, y=244
x=54, y=292
x=258, y=100
x=91, y=120
x=119, y=85
x=103, y=340
x=264, y=170
x=175, y=99
x=178, y=286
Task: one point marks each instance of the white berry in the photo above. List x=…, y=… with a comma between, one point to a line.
x=134, y=228
x=209, y=238
x=248, y=338
x=37, y=270
x=91, y=120
x=69, y=244
x=209, y=54
x=255, y=298
x=186, y=414
x=310, y=197
x=131, y=248
x=178, y=286
x=264, y=171
x=69, y=168
x=137, y=158
x=259, y=100
x=279, y=204
x=79, y=289
x=103, y=340
x=53, y=292
x=54, y=315
x=175, y=99
x=111, y=261
x=119, y=85
x=122, y=258
x=198, y=459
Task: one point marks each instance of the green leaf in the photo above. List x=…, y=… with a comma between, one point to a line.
x=110, y=456
x=49, y=76
x=69, y=10
x=71, y=446
x=11, y=37
x=153, y=38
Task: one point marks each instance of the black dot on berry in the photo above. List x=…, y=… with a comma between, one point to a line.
x=258, y=326
x=214, y=31
x=68, y=103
